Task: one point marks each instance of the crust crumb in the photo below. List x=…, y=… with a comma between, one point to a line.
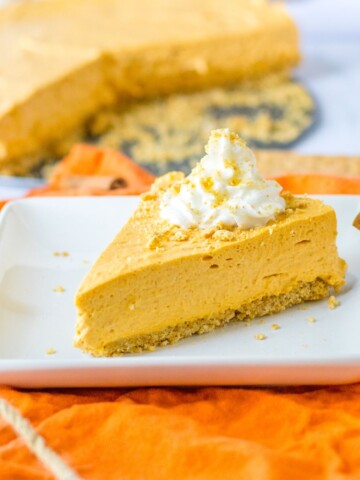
x=180, y=236
x=209, y=232
x=260, y=336
x=61, y=254
x=223, y=235
x=148, y=196
x=59, y=289
x=333, y=302
x=153, y=243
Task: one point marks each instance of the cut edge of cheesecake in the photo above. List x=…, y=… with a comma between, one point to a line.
x=267, y=305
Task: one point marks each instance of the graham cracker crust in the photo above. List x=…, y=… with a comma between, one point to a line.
x=267, y=305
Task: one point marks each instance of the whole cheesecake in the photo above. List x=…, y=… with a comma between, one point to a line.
x=175, y=270
x=64, y=60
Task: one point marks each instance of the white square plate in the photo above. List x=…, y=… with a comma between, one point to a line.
x=34, y=318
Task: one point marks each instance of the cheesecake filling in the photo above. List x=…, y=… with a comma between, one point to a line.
x=224, y=189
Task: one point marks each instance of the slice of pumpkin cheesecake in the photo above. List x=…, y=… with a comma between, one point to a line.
x=200, y=251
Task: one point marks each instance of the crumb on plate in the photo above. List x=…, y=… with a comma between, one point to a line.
x=59, y=289
x=311, y=319
x=260, y=336
x=333, y=302
x=275, y=326
x=303, y=307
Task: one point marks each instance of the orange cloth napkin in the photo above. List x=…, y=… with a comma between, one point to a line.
x=319, y=183
x=179, y=434
x=91, y=170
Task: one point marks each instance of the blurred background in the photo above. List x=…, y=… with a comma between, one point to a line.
x=330, y=45
x=310, y=106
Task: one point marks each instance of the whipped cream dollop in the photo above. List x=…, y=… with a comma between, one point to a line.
x=224, y=189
